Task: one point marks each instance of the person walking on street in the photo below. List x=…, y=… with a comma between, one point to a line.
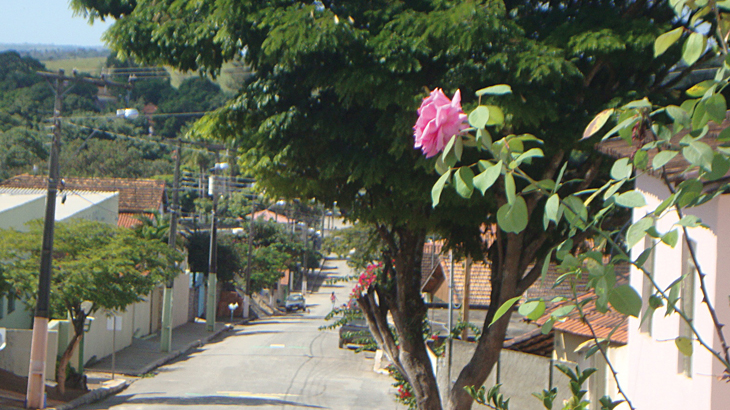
x=333, y=298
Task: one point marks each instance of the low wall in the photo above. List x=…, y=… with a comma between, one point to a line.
x=15, y=357
x=520, y=374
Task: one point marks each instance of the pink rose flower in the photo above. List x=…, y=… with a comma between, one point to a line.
x=439, y=119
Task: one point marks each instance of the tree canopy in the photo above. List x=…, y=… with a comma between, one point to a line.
x=93, y=262
x=329, y=111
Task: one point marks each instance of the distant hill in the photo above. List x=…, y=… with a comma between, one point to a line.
x=47, y=52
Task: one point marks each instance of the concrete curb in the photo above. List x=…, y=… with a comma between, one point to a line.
x=95, y=395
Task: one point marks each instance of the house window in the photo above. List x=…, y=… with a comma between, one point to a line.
x=686, y=303
x=648, y=287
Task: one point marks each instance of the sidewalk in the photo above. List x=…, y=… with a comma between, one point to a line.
x=130, y=363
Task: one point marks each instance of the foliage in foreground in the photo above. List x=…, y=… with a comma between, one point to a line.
x=95, y=267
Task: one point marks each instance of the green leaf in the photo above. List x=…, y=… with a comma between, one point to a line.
x=597, y=123
x=532, y=310
x=666, y=40
x=484, y=138
x=698, y=90
x=699, y=154
x=563, y=311
x=699, y=116
x=463, y=181
x=496, y=116
x=693, y=48
x=690, y=221
x=575, y=212
x=678, y=114
x=662, y=158
x=486, y=179
x=479, y=117
x=684, y=344
x=458, y=146
x=509, y=187
x=631, y=199
x=720, y=167
x=624, y=124
x=526, y=156
x=625, y=300
x=688, y=191
x=724, y=135
x=665, y=204
x=438, y=187
x=671, y=238
x=641, y=159
x=637, y=231
x=621, y=169
x=506, y=306
x=513, y=218
x=716, y=108
x=547, y=326
x=551, y=207
x=639, y=262
x=499, y=89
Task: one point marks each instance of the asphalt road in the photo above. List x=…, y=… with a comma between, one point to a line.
x=275, y=363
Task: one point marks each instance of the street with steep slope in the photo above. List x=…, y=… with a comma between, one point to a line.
x=282, y=362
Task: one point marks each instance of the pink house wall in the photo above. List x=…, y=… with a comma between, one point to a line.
x=655, y=381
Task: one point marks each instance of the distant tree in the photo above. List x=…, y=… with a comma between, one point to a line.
x=93, y=262
x=194, y=95
x=20, y=150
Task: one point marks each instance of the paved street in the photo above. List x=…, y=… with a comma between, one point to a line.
x=280, y=362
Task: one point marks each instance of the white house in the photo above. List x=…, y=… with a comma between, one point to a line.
x=659, y=376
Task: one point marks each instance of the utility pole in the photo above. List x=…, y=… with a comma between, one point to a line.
x=466, y=300
x=304, y=257
x=166, y=333
x=250, y=246
x=210, y=310
x=39, y=343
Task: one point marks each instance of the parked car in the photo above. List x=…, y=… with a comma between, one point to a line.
x=356, y=332
x=295, y=301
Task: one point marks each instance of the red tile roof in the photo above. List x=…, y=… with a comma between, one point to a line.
x=130, y=220
x=436, y=274
x=268, y=215
x=533, y=342
x=135, y=195
x=618, y=148
x=602, y=323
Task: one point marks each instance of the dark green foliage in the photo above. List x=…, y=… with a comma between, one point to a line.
x=230, y=260
x=329, y=112
x=109, y=266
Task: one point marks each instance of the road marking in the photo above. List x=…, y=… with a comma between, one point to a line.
x=277, y=346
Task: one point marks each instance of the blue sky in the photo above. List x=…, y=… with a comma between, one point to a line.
x=47, y=22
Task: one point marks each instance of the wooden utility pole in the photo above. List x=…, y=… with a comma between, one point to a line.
x=166, y=332
x=466, y=300
x=210, y=311
x=39, y=343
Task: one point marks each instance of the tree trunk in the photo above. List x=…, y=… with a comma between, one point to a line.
x=506, y=275
x=63, y=363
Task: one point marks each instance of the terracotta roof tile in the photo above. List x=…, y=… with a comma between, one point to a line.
x=130, y=220
x=618, y=148
x=533, y=342
x=268, y=215
x=135, y=195
x=603, y=323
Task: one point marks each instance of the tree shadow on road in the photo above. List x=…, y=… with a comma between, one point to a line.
x=203, y=400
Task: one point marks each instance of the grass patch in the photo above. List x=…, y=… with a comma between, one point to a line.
x=91, y=65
